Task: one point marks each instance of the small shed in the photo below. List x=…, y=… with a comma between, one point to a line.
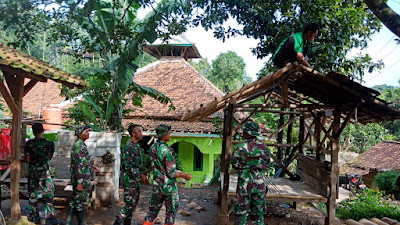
x=321, y=104
x=21, y=73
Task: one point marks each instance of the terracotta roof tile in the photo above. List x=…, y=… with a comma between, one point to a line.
x=19, y=60
x=149, y=125
x=176, y=78
x=40, y=96
x=382, y=156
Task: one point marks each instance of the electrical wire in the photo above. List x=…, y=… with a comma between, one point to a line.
x=386, y=69
x=384, y=46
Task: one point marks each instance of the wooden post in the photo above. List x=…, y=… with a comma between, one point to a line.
x=331, y=204
x=223, y=217
x=17, y=90
x=317, y=133
x=301, y=135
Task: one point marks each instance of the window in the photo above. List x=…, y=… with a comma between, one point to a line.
x=197, y=160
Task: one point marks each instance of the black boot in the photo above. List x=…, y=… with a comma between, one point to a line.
x=81, y=217
x=118, y=221
x=71, y=214
x=53, y=221
x=128, y=219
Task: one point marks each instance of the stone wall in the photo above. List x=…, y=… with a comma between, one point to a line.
x=98, y=143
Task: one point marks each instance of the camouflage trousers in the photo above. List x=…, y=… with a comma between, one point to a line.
x=131, y=197
x=39, y=180
x=250, y=199
x=80, y=199
x=171, y=200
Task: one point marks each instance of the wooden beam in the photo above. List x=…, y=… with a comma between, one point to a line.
x=271, y=111
x=20, y=72
x=285, y=94
x=7, y=97
x=282, y=127
x=223, y=217
x=244, y=92
x=16, y=148
x=318, y=122
x=301, y=135
x=29, y=86
x=284, y=170
x=243, y=122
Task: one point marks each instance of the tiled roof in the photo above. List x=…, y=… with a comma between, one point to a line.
x=149, y=125
x=10, y=57
x=40, y=96
x=382, y=156
x=176, y=78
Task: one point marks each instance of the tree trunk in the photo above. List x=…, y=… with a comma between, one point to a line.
x=385, y=14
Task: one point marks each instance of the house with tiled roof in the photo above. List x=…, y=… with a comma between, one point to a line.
x=196, y=143
x=381, y=157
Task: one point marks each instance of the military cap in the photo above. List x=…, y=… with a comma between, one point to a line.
x=162, y=129
x=251, y=128
x=79, y=129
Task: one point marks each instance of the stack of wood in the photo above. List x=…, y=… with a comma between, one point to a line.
x=373, y=221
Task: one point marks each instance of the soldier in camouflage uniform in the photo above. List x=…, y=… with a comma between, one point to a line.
x=131, y=174
x=251, y=160
x=162, y=159
x=81, y=168
x=38, y=153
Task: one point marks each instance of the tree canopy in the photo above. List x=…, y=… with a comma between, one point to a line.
x=272, y=21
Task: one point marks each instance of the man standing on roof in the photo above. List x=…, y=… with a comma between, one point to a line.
x=132, y=174
x=162, y=159
x=81, y=168
x=251, y=160
x=295, y=47
x=38, y=153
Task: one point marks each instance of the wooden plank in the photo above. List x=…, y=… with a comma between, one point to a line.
x=315, y=169
x=301, y=135
x=271, y=111
x=318, y=186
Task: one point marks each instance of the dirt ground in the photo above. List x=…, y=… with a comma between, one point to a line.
x=188, y=214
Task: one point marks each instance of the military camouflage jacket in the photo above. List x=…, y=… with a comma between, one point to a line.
x=39, y=150
x=251, y=160
x=81, y=166
x=164, y=166
x=131, y=161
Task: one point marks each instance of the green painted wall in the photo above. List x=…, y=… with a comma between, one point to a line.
x=186, y=155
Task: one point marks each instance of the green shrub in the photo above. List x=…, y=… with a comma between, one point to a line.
x=367, y=204
x=386, y=181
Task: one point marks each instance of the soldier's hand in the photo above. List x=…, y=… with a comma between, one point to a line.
x=79, y=187
x=188, y=176
x=96, y=168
